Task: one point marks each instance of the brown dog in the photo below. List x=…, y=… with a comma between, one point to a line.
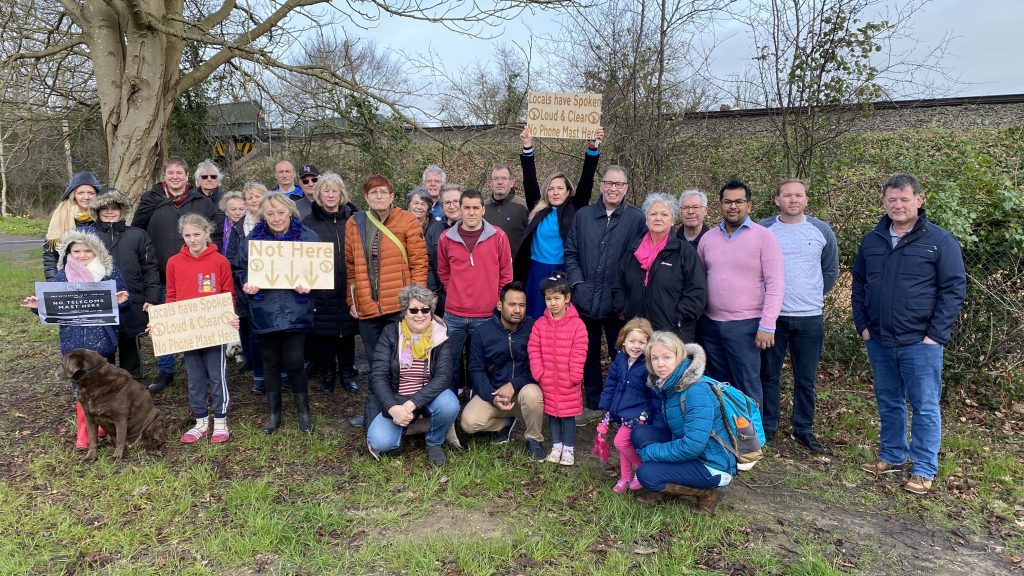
x=111, y=398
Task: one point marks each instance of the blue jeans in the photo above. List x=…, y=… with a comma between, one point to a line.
x=384, y=435
x=909, y=373
x=803, y=336
x=654, y=475
x=165, y=364
x=460, y=332
x=732, y=354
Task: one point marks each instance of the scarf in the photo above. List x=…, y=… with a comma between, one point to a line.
x=250, y=222
x=293, y=234
x=414, y=346
x=91, y=272
x=671, y=381
x=647, y=252
x=180, y=198
x=66, y=217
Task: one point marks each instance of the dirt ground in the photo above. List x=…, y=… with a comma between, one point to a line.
x=860, y=541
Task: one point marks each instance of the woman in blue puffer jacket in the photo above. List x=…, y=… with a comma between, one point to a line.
x=683, y=459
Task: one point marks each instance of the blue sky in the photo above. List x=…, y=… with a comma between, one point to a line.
x=984, y=54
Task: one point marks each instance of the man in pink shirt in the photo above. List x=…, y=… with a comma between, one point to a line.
x=745, y=287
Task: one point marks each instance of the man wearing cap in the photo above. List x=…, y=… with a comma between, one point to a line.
x=308, y=177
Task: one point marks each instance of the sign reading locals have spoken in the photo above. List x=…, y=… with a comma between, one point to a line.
x=563, y=115
x=192, y=324
x=285, y=265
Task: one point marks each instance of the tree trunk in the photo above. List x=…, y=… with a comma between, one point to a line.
x=137, y=72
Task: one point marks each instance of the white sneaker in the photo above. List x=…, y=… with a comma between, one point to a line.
x=555, y=456
x=568, y=457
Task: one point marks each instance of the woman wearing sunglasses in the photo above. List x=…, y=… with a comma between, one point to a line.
x=411, y=378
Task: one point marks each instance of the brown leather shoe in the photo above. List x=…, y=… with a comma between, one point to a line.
x=706, y=499
x=650, y=498
x=879, y=467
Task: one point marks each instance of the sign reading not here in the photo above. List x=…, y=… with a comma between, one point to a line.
x=285, y=265
x=563, y=115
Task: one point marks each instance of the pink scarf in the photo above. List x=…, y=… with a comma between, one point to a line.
x=647, y=252
x=76, y=272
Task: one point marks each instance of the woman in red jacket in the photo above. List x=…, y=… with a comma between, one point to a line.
x=558, y=349
x=199, y=270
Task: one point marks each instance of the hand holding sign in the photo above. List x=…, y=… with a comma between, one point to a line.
x=563, y=115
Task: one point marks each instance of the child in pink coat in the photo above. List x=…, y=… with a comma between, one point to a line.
x=558, y=349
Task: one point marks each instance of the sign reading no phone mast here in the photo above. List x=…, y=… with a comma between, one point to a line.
x=563, y=115
x=192, y=324
x=285, y=265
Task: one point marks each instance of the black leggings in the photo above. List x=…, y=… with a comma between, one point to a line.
x=336, y=351
x=283, y=352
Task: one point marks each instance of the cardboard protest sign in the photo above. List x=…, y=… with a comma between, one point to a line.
x=277, y=264
x=563, y=115
x=78, y=303
x=192, y=324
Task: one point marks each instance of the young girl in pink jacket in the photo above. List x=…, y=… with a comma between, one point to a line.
x=558, y=348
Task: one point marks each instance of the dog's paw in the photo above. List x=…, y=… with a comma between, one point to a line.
x=90, y=456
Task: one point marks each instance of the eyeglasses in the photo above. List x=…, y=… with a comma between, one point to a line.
x=739, y=202
x=310, y=180
x=207, y=176
x=690, y=208
x=614, y=184
x=451, y=202
x=384, y=192
x=423, y=310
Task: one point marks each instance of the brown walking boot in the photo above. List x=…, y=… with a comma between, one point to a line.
x=706, y=499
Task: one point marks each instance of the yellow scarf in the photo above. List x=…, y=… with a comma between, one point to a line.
x=414, y=346
x=63, y=220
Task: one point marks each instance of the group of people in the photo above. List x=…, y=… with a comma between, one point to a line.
x=497, y=307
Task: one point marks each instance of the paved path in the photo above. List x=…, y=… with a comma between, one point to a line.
x=10, y=243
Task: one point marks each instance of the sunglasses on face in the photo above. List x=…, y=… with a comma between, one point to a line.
x=419, y=310
x=310, y=180
x=208, y=177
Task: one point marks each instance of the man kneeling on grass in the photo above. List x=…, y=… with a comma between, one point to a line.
x=499, y=370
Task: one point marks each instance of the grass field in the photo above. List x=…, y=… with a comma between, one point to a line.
x=22, y=226
x=318, y=504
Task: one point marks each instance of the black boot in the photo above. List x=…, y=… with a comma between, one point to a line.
x=302, y=409
x=328, y=378
x=274, y=419
x=163, y=380
x=348, y=379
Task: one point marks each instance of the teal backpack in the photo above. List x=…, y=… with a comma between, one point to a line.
x=742, y=418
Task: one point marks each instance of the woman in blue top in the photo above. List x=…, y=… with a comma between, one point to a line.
x=684, y=458
x=542, y=250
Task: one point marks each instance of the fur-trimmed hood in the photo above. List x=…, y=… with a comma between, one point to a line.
x=107, y=199
x=697, y=361
x=90, y=240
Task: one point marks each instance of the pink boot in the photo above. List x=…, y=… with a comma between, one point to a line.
x=81, y=436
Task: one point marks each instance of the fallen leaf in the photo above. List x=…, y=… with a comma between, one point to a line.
x=645, y=550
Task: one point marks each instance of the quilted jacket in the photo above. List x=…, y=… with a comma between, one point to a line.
x=375, y=301
x=558, y=349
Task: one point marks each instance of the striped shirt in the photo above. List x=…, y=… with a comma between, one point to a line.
x=411, y=379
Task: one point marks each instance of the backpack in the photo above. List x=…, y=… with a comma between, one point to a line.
x=742, y=418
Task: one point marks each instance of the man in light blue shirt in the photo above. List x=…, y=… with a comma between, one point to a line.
x=811, y=257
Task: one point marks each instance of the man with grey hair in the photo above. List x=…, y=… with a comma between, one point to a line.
x=693, y=211
x=594, y=251
x=434, y=179
x=208, y=179
x=810, y=257
x=908, y=285
x=284, y=174
x=505, y=209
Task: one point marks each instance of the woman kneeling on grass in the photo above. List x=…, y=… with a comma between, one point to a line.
x=411, y=377
x=682, y=459
x=83, y=258
x=199, y=270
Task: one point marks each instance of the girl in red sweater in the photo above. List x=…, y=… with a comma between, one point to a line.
x=199, y=270
x=558, y=349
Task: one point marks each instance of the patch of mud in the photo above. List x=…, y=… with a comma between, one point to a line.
x=862, y=542
x=450, y=523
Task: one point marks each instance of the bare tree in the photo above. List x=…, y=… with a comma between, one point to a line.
x=645, y=58
x=135, y=49
x=821, y=63
x=487, y=92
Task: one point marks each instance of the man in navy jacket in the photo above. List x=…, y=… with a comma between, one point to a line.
x=908, y=285
x=499, y=369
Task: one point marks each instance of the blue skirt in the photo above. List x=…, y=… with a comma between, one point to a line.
x=539, y=271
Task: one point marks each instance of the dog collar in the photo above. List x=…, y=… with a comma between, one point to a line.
x=90, y=371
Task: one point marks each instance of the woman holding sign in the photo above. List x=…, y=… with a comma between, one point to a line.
x=199, y=270
x=542, y=251
x=281, y=317
x=83, y=258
